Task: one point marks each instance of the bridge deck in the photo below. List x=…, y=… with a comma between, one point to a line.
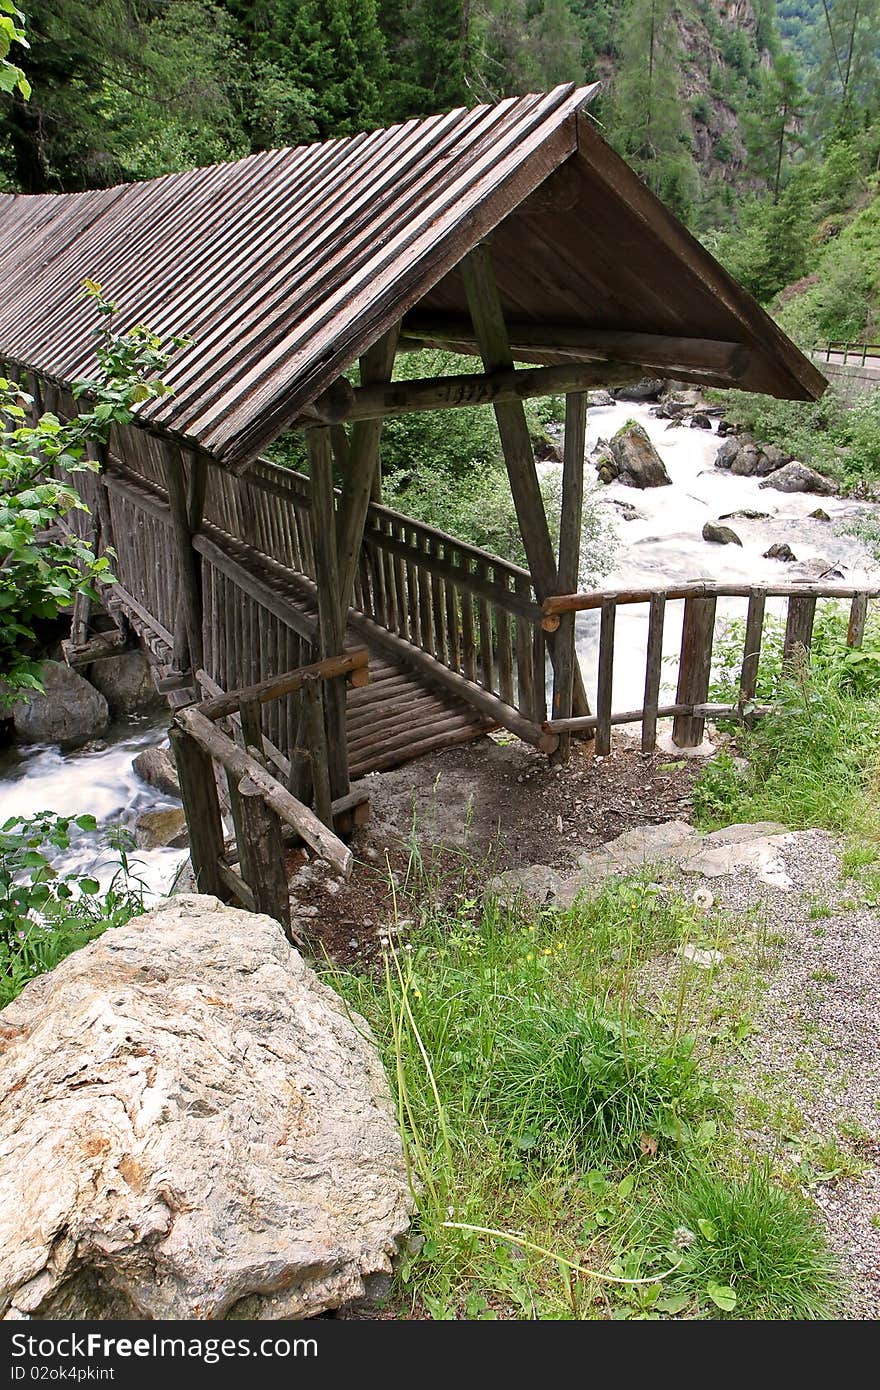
x=399, y=715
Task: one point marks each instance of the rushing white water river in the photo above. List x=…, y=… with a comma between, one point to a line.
x=662, y=544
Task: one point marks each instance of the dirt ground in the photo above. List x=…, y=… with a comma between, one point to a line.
x=475, y=810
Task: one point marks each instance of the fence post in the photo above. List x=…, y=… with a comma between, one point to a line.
x=695, y=665
x=261, y=852
x=198, y=791
x=799, y=626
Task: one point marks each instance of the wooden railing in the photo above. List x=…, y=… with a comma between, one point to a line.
x=691, y=708
x=854, y=354
x=224, y=736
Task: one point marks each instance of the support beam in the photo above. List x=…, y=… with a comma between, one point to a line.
x=671, y=353
x=331, y=619
x=488, y=318
x=570, y=524
x=374, y=402
x=358, y=482
x=190, y=594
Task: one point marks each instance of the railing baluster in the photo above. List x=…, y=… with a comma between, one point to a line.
x=858, y=616
x=504, y=649
x=468, y=641
x=525, y=670
x=695, y=665
x=653, y=671
x=606, y=678
x=799, y=626
x=748, y=680
x=453, y=647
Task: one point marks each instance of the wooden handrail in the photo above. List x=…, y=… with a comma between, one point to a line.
x=354, y=664
x=557, y=604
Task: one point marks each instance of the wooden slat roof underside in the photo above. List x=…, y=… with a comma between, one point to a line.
x=283, y=267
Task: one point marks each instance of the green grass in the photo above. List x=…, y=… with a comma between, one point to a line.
x=813, y=762
x=749, y=1249
x=554, y=1085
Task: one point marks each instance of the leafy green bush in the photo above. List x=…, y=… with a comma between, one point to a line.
x=40, y=577
x=45, y=915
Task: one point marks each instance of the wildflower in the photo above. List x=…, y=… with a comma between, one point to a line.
x=682, y=1238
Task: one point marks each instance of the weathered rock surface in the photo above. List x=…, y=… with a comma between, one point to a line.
x=153, y=829
x=157, y=766
x=69, y=712
x=536, y=883
x=194, y=1128
x=797, y=477
x=650, y=388
x=637, y=462
x=700, y=421
x=728, y=452
x=677, y=845
x=125, y=682
x=819, y=514
x=601, y=397
x=720, y=535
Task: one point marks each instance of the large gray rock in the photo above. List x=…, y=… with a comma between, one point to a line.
x=155, y=829
x=199, y=1130
x=125, y=682
x=747, y=461
x=650, y=388
x=720, y=535
x=157, y=766
x=69, y=712
x=637, y=461
x=797, y=477
x=728, y=452
x=772, y=458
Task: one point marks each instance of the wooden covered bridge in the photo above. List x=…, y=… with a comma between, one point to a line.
x=305, y=633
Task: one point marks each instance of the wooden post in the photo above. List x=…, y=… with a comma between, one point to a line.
x=313, y=712
x=748, y=680
x=695, y=665
x=570, y=525
x=653, y=671
x=486, y=312
x=331, y=619
x=858, y=617
x=362, y=467
x=261, y=852
x=198, y=791
x=606, y=678
x=799, y=628
x=190, y=598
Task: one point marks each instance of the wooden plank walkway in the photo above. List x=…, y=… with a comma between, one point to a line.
x=400, y=715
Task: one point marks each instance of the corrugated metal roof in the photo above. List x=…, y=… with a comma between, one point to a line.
x=285, y=266
x=280, y=266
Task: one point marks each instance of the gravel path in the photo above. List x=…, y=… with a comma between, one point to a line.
x=815, y=1050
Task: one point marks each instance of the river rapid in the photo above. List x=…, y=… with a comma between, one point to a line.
x=660, y=544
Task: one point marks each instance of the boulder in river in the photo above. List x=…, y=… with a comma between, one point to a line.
x=781, y=551
x=125, y=682
x=650, y=388
x=69, y=711
x=157, y=766
x=155, y=829
x=637, y=461
x=797, y=477
x=819, y=514
x=746, y=461
x=745, y=514
x=771, y=459
x=201, y=1129
x=727, y=453
x=720, y=535
x=700, y=421
x=600, y=397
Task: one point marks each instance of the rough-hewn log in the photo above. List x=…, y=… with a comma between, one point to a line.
x=287, y=684
x=190, y=595
x=570, y=526
x=362, y=467
x=198, y=791
x=491, y=333
x=653, y=671
x=748, y=679
x=373, y=403
x=291, y=811
x=98, y=648
x=261, y=852
x=331, y=612
x=694, y=668
x=556, y=604
x=671, y=353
